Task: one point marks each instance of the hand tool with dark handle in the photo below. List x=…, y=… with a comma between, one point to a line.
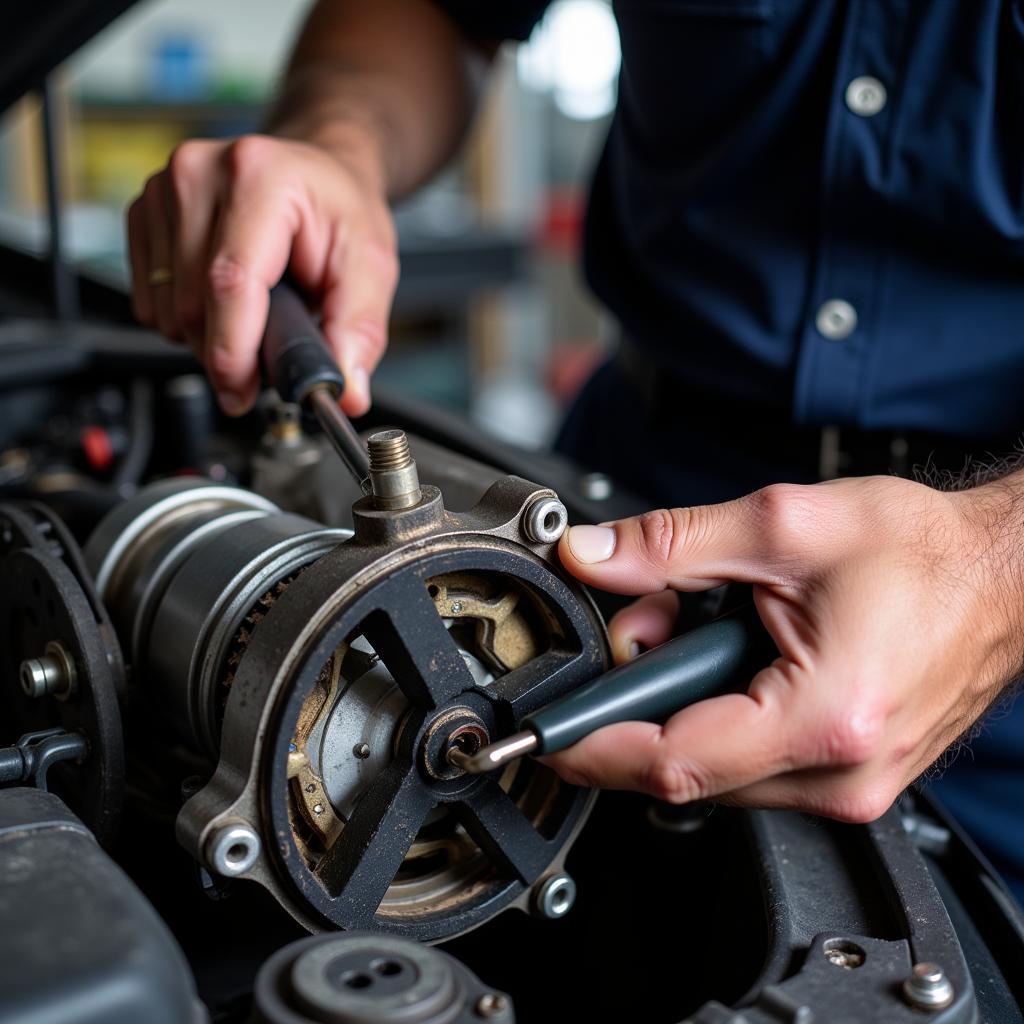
x=300, y=366
x=709, y=661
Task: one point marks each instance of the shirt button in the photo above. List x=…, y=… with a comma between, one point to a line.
x=865, y=96
x=836, y=319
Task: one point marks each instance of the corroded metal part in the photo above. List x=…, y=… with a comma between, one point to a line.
x=407, y=583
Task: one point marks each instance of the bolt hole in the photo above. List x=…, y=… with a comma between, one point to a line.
x=357, y=979
x=387, y=968
x=237, y=854
x=844, y=953
x=551, y=521
x=560, y=899
x=433, y=590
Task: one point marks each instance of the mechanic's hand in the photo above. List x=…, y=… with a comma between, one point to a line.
x=226, y=218
x=897, y=612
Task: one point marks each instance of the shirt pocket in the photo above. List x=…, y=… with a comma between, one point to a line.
x=692, y=72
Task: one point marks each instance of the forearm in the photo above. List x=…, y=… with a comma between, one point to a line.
x=390, y=85
x=993, y=514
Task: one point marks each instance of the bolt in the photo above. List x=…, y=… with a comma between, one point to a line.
x=318, y=808
x=848, y=958
x=51, y=674
x=545, y=520
x=456, y=608
x=310, y=787
x=928, y=988
x=393, y=478
x=361, y=750
x=596, y=487
x=491, y=1005
x=554, y=896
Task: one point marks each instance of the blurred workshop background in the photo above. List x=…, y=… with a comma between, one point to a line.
x=491, y=315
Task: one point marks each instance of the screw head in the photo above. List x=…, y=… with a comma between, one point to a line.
x=361, y=750
x=928, y=988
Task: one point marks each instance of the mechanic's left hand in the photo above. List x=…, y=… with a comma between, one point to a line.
x=897, y=610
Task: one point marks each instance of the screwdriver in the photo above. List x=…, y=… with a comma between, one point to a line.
x=300, y=366
x=718, y=658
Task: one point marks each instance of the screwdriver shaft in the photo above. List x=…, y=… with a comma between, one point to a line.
x=340, y=432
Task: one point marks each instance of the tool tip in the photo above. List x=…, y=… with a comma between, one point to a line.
x=494, y=755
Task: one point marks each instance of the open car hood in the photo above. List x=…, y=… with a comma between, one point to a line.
x=38, y=36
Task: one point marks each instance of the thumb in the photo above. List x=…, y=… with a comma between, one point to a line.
x=681, y=548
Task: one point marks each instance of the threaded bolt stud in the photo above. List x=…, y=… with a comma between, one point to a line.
x=393, y=477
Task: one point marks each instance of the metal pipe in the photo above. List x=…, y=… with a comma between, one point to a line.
x=65, y=284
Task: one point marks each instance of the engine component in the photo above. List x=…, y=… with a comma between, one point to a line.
x=31, y=758
x=84, y=946
x=61, y=661
x=367, y=978
x=329, y=675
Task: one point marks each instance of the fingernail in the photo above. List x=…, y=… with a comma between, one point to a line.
x=591, y=544
x=634, y=649
x=231, y=403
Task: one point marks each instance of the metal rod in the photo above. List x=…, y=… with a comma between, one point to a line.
x=65, y=284
x=494, y=755
x=340, y=433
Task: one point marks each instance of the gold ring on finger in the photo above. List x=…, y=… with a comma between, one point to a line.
x=161, y=275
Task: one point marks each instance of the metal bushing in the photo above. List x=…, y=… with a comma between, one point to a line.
x=545, y=520
x=232, y=850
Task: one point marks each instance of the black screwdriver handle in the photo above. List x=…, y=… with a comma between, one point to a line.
x=709, y=661
x=295, y=355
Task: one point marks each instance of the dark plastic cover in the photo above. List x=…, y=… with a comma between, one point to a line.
x=80, y=943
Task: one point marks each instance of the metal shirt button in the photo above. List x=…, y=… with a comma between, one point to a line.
x=836, y=319
x=865, y=96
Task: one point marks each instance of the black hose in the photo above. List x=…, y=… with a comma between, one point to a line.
x=128, y=474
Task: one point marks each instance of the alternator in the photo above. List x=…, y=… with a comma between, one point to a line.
x=328, y=673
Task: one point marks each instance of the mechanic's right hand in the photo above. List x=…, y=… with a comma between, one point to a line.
x=216, y=228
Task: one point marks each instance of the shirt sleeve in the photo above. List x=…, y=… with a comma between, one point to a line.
x=484, y=19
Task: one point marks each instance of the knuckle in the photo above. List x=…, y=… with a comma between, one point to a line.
x=666, y=533
x=788, y=516
x=187, y=161
x=248, y=155
x=675, y=781
x=853, y=737
x=226, y=277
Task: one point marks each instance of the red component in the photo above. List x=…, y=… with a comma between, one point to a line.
x=99, y=451
x=561, y=226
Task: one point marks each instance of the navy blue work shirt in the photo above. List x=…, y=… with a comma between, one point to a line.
x=816, y=207
x=816, y=204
